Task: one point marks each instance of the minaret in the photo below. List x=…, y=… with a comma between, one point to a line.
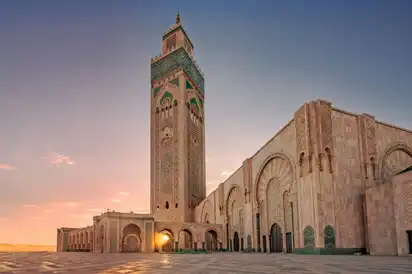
x=177, y=129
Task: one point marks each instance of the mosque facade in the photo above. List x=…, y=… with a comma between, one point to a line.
x=329, y=182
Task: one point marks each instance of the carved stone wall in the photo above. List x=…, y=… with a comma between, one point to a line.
x=167, y=157
x=247, y=179
x=395, y=159
x=381, y=221
x=275, y=178
x=207, y=209
x=367, y=126
x=234, y=208
x=347, y=181
x=195, y=152
x=287, y=212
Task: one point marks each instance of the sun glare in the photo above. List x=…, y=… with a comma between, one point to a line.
x=162, y=238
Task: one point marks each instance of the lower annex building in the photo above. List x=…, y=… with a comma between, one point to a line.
x=329, y=182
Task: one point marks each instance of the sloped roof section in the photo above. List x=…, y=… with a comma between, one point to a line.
x=409, y=169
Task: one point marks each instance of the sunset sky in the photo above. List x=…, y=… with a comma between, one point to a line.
x=75, y=91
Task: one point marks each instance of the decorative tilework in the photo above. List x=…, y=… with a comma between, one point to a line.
x=188, y=85
x=156, y=91
x=193, y=103
x=309, y=238
x=200, y=101
x=329, y=239
x=175, y=82
x=166, y=95
x=178, y=59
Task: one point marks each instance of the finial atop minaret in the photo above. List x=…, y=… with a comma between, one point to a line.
x=177, y=17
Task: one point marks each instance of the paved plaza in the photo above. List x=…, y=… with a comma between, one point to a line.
x=44, y=262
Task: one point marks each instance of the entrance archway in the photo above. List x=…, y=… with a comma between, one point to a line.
x=185, y=239
x=131, y=241
x=211, y=240
x=409, y=233
x=236, y=241
x=276, y=238
x=167, y=245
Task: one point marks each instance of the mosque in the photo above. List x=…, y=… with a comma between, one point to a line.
x=329, y=182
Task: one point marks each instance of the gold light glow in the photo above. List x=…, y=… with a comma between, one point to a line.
x=162, y=238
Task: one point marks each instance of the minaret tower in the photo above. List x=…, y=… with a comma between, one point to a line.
x=177, y=129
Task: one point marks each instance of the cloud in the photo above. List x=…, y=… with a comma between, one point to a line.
x=211, y=185
x=6, y=167
x=115, y=200
x=124, y=193
x=58, y=159
x=226, y=173
x=30, y=206
x=47, y=211
x=81, y=215
x=3, y=219
x=70, y=204
x=95, y=210
x=207, y=159
x=36, y=217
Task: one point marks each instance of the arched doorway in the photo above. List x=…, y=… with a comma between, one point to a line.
x=167, y=241
x=131, y=241
x=185, y=239
x=236, y=241
x=211, y=240
x=276, y=238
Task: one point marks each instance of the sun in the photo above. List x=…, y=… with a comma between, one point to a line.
x=165, y=238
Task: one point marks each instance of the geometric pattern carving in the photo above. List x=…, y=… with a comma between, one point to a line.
x=370, y=136
x=207, y=210
x=278, y=169
x=309, y=238
x=275, y=203
x=407, y=192
x=176, y=160
x=329, y=239
x=233, y=196
x=178, y=59
x=234, y=206
x=394, y=161
x=300, y=126
x=324, y=110
x=287, y=212
x=195, y=156
x=167, y=167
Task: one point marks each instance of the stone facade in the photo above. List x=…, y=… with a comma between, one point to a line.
x=325, y=183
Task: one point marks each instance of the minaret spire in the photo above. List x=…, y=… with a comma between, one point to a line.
x=177, y=17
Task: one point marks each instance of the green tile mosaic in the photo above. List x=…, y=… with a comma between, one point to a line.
x=166, y=95
x=178, y=59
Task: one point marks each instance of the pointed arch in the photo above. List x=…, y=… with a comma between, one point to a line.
x=166, y=98
x=276, y=166
x=207, y=209
x=231, y=197
x=396, y=158
x=200, y=101
x=193, y=104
